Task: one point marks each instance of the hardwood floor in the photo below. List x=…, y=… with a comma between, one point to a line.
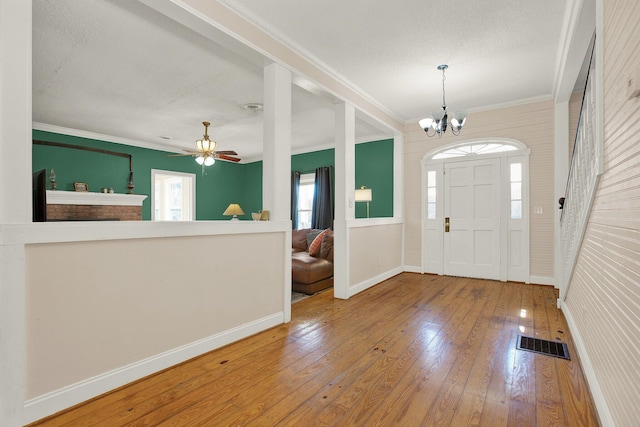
x=416, y=350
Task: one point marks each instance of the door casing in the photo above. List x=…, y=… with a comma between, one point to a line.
x=514, y=233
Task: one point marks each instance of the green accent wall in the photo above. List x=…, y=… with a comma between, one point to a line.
x=221, y=184
x=308, y=162
x=374, y=169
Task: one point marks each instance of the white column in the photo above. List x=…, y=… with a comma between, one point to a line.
x=276, y=163
x=345, y=192
x=15, y=199
x=398, y=176
x=276, y=166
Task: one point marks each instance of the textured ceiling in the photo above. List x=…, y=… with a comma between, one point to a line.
x=498, y=51
x=120, y=68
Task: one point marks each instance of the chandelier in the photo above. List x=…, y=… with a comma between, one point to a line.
x=206, y=148
x=439, y=120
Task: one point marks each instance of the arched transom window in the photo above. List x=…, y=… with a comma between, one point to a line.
x=474, y=149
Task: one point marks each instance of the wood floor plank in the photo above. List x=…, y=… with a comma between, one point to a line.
x=495, y=411
x=490, y=358
x=549, y=409
x=411, y=399
x=445, y=405
x=370, y=387
x=522, y=406
x=414, y=350
x=324, y=395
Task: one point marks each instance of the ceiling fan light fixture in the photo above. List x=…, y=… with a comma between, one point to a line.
x=208, y=161
x=200, y=160
x=439, y=120
x=205, y=146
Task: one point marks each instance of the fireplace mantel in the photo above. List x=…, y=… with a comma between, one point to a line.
x=95, y=199
x=86, y=206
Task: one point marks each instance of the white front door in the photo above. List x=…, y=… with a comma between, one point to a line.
x=472, y=204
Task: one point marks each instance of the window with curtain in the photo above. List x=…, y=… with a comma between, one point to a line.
x=322, y=211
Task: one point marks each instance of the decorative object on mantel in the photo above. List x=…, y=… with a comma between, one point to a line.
x=95, y=150
x=206, y=153
x=235, y=210
x=264, y=215
x=439, y=120
x=104, y=190
x=52, y=180
x=80, y=186
x=256, y=216
x=363, y=194
x=110, y=190
x=130, y=185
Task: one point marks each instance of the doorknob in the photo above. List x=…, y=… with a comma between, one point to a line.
x=446, y=225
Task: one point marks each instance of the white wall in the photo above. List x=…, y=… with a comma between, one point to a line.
x=603, y=300
x=375, y=252
x=531, y=124
x=104, y=311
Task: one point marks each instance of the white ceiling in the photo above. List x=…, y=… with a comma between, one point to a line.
x=120, y=68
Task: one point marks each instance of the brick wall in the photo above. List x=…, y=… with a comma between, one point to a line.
x=93, y=212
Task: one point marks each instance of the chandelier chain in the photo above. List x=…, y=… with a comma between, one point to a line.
x=444, y=104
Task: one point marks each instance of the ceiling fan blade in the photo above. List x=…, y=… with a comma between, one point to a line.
x=225, y=157
x=228, y=152
x=181, y=155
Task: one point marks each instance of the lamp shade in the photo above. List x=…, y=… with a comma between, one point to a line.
x=363, y=195
x=233, y=209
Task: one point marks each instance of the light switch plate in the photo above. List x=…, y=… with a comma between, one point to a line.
x=538, y=210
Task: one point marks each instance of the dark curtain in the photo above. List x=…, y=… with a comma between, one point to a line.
x=322, y=213
x=295, y=185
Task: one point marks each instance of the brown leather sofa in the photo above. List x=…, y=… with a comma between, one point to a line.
x=311, y=274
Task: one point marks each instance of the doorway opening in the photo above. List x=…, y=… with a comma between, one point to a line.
x=475, y=222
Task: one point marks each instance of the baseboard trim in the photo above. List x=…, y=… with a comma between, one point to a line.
x=58, y=400
x=412, y=268
x=366, y=284
x=542, y=280
x=587, y=367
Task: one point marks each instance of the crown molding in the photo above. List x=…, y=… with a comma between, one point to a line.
x=103, y=137
x=498, y=106
x=279, y=36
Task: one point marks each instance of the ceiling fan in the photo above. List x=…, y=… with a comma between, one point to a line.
x=206, y=153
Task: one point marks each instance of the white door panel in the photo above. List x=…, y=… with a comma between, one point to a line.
x=472, y=204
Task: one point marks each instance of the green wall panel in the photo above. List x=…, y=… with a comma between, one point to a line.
x=221, y=184
x=374, y=169
x=308, y=162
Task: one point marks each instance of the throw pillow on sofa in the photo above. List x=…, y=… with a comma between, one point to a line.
x=314, y=247
x=326, y=249
x=312, y=235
